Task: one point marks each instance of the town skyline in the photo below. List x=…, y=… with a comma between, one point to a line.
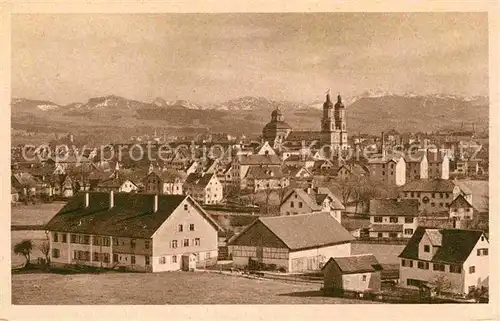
x=272, y=55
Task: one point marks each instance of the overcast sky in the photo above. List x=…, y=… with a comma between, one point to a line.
x=216, y=57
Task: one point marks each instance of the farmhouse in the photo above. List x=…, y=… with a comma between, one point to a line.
x=393, y=218
x=317, y=199
x=352, y=273
x=204, y=188
x=457, y=258
x=136, y=231
x=295, y=243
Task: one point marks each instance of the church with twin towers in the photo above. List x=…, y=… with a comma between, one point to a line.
x=333, y=128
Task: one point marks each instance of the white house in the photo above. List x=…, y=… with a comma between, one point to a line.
x=294, y=243
x=393, y=218
x=141, y=232
x=311, y=200
x=205, y=188
x=458, y=258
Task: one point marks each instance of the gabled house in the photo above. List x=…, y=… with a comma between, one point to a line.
x=297, y=173
x=295, y=243
x=204, y=188
x=417, y=166
x=311, y=200
x=455, y=257
x=167, y=182
x=242, y=164
x=393, y=218
x=140, y=232
x=300, y=160
x=265, y=177
x=352, y=171
x=461, y=209
x=358, y=273
x=117, y=184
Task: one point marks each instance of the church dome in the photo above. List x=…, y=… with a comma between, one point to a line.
x=277, y=125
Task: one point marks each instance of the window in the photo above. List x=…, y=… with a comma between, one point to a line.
x=482, y=252
x=447, y=204
x=441, y=195
x=85, y=239
x=380, y=235
x=174, y=244
x=146, y=244
x=54, y=236
x=393, y=234
x=408, y=219
x=180, y=228
x=408, y=231
x=95, y=240
x=185, y=207
x=132, y=243
x=423, y=265
x=364, y=278
x=56, y=253
x=412, y=194
x=383, y=172
x=418, y=194
x=162, y=260
x=407, y=263
x=406, y=194
x=393, y=219
x=427, y=248
x=377, y=219
x=433, y=204
x=132, y=259
x=64, y=238
x=441, y=204
x=433, y=195
x=147, y=259
x=186, y=242
x=455, y=269
x=482, y=238
x=115, y=257
x=197, y=241
x=73, y=238
x=413, y=282
x=191, y=227
x=472, y=269
x=207, y=256
x=447, y=195
x=300, y=204
x=116, y=242
x=438, y=267
x=174, y=259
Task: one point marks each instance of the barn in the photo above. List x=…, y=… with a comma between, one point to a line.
x=296, y=243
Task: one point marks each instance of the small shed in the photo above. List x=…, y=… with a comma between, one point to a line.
x=359, y=273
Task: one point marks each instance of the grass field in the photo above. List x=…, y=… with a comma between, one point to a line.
x=162, y=288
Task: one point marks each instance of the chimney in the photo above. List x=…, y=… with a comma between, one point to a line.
x=111, y=199
x=87, y=199
x=155, y=205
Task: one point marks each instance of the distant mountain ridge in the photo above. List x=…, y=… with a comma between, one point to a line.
x=369, y=112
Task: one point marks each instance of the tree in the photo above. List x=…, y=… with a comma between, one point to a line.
x=267, y=192
x=45, y=249
x=440, y=284
x=24, y=248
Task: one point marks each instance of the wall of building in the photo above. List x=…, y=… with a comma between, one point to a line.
x=168, y=231
x=299, y=260
x=456, y=279
x=287, y=209
x=481, y=265
x=355, y=282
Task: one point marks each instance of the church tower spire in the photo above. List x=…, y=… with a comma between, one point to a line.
x=327, y=121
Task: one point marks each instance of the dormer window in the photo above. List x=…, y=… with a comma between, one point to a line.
x=427, y=248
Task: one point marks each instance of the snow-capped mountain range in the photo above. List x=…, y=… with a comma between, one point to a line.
x=247, y=103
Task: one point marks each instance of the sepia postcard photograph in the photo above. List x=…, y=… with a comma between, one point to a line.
x=246, y=158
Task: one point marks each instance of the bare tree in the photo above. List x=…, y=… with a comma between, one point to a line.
x=45, y=249
x=440, y=284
